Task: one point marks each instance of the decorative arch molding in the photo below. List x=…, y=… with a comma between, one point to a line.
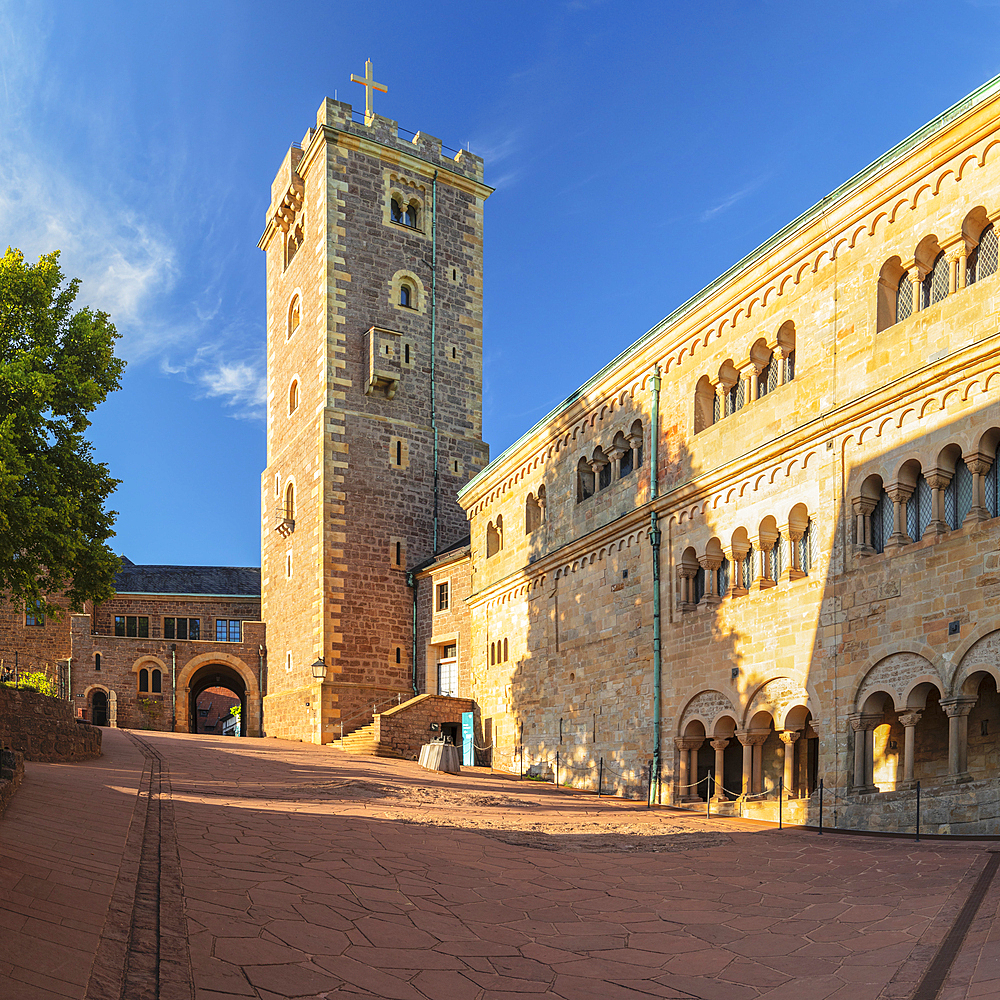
x=981, y=655
x=778, y=697
x=90, y=688
x=707, y=707
x=148, y=660
x=897, y=674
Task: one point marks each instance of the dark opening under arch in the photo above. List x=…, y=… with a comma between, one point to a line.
x=216, y=675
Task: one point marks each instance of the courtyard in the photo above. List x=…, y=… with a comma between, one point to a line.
x=199, y=866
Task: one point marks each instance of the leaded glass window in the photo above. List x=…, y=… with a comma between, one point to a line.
x=748, y=569
x=778, y=558
x=881, y=522
x=790, y=366
x=722, y=578
x=918, y=509
x=935, y=285
x=699, y=584
x=958, y=496
x=805, y=549
x=904, y=298
x=735, y=397
x=992, y=486
x=604, y=477
x=764, y=378
x=772, y=374
x=982, y=261
x=716, y=409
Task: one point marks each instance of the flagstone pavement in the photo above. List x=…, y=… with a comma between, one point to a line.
x=210, y=868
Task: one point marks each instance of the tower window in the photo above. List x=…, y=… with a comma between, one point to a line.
x=399, y=453
x=406, y=354
x=410, y=219
x=405, y=296
x=288, y=662
x=454, y=274
x=290, y=502
x=144, y=679
x=454, y=353
x=399, y=654
x=443, y=596
x=294, y=316
x=157, y=682
x=399, y=553
x=293, y=396
x=397, y=212
x=97, y=661
x=288, y=565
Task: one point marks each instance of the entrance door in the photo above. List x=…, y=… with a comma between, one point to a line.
x=99, y=708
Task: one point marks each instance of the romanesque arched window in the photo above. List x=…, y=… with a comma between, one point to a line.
x=722, y=578
x=406, y=296
x=882, y=523
x=778, y=557
x=699, y=584
x=493, y=654
x=157, y=682
x=396, y=211
x=290, y=502
x=293, y=396
x=749, y=568
x=294, y=315
x=767, y=380
x=494, y=536
x=735, y=397
x=410, y=216
x=904, y=297
x=704, y=404
x=636, y=437
x=806, y=548
x=604, y=469
x=935, y=285
x=982, y=262
x=505, y=651
x=958, y=496
x=143, y=680
x=533, y=512
x=992, y=483
x=584, y=480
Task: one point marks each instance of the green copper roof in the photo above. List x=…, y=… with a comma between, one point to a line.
x=946, y=118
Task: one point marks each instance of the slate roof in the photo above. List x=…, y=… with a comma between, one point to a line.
x=228, y=581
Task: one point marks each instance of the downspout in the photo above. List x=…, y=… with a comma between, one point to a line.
x=654, y=539
x=411, y=581
x=434, y=429
x=173, y=686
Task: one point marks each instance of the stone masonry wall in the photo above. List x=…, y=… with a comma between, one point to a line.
x=405, y=729
x=11, y=776
x=43, y=728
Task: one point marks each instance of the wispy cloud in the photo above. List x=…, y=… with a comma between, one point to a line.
x=732, y=199
x=240, y=384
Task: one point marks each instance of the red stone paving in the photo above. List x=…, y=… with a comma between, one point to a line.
x=300, y=879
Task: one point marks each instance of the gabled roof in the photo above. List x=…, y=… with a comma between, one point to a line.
x=214, y=581
x=887, y=160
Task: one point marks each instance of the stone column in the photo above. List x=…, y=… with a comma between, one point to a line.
x=778, y=356
x=909, y=721
x=691, y=744
x=615, y=455
x=915, y=279
x=958, y=710
x=746, y=741
x=720, y=392
x=682, y=771
x=764, y=544
x=788, y=737
x=863, y=508
x=635, y=440
x=751, y=375
x=758, y=761
x=710, y=564
x=596, y=464
x=979, y=465
x=737, y=585
x=719, y=746
x=793, y=571
x=864, y=751
x=899, y=493
x=937, y=480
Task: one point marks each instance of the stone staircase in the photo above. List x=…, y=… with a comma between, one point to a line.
x=361, y=741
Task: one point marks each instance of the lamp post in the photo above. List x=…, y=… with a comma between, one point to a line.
x=319, y=675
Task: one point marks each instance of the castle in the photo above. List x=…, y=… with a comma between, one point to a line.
x=757, y=552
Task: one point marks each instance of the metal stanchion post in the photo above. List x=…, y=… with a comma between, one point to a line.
x=600, y=779
x=781, y=789
x=649, y=787
x=556, y=779
x=821, y=807
x=918, y=812
x=522, y=760
x=708, y=795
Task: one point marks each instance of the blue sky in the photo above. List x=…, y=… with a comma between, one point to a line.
x=638, y=150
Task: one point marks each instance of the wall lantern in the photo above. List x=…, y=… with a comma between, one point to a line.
x=319, y=670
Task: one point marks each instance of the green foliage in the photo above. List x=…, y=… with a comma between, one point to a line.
x=56, y=366
x=36, y=680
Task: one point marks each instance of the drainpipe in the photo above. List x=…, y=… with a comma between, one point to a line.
x=654, y=539
x=173, y=686
x=411, y=581
x=260, y=685
x=434, y=272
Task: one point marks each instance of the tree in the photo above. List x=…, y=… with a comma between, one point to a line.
x=56, y=367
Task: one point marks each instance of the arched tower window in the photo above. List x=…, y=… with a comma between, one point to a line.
x=157, y=682
x=904, y=297
x=143, y=680
x=405, y=296
x=934, y=287
x=290, y=502
x=584, y=480
x=722, y=578
x=704, y=404
x=410, y=216
x=396, y=211
x=983, y=259
x=533, y=511
x=958, y=496
x=881, y=522
x=494, y=540
x=97, y=661
x=294, y=315
x=293, y=396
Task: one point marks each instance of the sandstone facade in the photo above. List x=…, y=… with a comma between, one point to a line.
x=824, y=421
x=43, y=728
x=374, y=356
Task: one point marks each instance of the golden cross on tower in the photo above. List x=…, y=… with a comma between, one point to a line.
x=368, y=82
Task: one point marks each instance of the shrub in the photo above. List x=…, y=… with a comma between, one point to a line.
x=36, y=680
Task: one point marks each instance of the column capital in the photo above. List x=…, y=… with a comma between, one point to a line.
x=864, y=505
x=789, y=736
x=909, y=719
x=688, y=742
x=899, y=492
x=860, y=721
x=720, y=744
x=957, y=706
x=938, y=479
x=751, y=739
x=614, y=454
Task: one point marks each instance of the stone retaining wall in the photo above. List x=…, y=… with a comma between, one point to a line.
x=11, y=775
x=43, y=728
x=403, y=730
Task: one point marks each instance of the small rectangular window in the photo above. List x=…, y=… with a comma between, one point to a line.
x=443, y=597
x=119, y=624
x=449, y=652
x=181, y=628
x=34, y=617
x=135, y=626
x=234, y=631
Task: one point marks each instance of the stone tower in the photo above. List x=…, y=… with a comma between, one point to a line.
x=374, y=250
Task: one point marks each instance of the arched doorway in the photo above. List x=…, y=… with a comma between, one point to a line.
x=99, y=714
x=216, y=675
